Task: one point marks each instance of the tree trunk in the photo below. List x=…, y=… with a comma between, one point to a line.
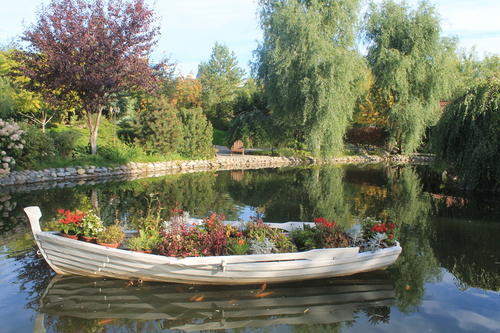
x=93, y=128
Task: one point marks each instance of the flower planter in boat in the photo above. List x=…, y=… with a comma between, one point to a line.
x=66, y=256
x=65, y=235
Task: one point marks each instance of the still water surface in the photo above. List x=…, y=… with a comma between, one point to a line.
x=446, y=280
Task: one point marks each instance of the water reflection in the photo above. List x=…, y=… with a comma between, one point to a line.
x=70, y=303
x=469, y=251
x=438, y=229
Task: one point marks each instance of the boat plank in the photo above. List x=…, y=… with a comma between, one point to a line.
x=312, y=255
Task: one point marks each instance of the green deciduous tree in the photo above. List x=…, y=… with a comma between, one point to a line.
x=472, y=68
x=220, y=77
x=310, y=68
x=14, y=99
x=412, y=65
x=467, y=137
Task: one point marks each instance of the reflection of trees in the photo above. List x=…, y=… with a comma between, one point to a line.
x=468, y=205
x=280, y=192
x=410, y=208
x=49, y=200
x=196, y=193
x=366, y=187
x=460, y=248
x=325, y=188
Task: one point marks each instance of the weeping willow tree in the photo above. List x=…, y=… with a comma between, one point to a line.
x=412, y=65
x=310, y=68
x=467, y=137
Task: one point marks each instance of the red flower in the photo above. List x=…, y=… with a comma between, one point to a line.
x=379, y=228
x=391, y=226
x=322, y=220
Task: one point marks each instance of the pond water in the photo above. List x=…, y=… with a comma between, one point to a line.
x=447, y=278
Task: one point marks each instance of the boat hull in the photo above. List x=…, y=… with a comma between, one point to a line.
x=71, y=257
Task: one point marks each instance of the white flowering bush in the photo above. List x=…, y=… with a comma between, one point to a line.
x=11, y=145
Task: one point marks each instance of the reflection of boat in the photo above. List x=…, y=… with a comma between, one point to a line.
x=205, y=307
x=68, y=256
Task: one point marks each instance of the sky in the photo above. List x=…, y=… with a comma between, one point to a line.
x=190, y=28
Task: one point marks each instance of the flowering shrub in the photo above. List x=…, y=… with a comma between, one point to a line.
x=264, y=239
x=208, y=239
x=324, y=235
x=372, y=228
x=238, y=246
x=71, y=222
x=91, y=225
x=111, y=235
x=371, y=235
x=11, y=145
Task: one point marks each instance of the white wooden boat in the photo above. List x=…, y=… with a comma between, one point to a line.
x=201, y=308
x=70, y=257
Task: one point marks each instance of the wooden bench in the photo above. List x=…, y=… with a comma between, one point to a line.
x=238, y=147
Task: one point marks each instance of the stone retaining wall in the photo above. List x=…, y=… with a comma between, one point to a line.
x=72, y=176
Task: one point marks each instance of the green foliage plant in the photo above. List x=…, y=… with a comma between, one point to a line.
x=38, y=147
x=196, y=134
x=220, y=78
x=160, y=130
x=412, y=65
x=65, y=141
x=467, y=137
x=142, y=242
x=111, y=235
x=238, y=246
x=265, y=239
x=325, y=234
x=149, y=225
x=310, y=69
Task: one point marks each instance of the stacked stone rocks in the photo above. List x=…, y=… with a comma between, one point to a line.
x=90, y=174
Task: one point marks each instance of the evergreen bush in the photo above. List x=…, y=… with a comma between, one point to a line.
x=197, y=134
x=160, y=129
